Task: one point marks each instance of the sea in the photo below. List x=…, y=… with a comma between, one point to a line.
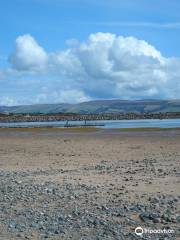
x=145, y=123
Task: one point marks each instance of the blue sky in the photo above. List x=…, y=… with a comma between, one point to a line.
x=60, y=27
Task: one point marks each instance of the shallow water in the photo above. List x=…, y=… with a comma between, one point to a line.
x=145, y=123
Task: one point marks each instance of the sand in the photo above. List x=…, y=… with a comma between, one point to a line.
x=143, y=162
x=74, y=150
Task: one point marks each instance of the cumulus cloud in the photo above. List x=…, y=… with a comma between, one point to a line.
x=110, y=66
x=104, y=66
x=28, y=55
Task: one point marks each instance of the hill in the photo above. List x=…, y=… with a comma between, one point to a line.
x=99, y=106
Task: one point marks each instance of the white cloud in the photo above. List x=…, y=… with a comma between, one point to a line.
x=104, y=66
x=120, y=67
x=28, y=55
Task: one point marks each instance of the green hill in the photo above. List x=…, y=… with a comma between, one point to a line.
x=99, y=106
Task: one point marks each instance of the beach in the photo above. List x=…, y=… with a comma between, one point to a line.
x=89, y=183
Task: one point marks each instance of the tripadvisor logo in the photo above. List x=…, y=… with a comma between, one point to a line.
x=139, y=231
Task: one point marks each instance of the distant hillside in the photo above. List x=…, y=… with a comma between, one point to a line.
x=99, y=106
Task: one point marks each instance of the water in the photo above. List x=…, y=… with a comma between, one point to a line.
x=145, y=123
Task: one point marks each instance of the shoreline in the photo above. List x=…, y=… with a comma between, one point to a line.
x=88, y=128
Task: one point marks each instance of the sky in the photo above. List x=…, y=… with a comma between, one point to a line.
x=54, y=51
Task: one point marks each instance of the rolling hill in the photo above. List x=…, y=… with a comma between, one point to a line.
x=99, y=106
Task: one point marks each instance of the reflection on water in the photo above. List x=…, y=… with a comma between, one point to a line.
x=145, y=123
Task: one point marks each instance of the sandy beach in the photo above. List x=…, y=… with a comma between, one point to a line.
x=88, y=184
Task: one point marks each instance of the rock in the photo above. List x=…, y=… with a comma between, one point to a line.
x=155, y=200
x=156, y=220
x=52, y=210
x=178, y=218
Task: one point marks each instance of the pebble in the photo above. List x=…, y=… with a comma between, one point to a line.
x=62, y=210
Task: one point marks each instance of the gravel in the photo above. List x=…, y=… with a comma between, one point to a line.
x=72, y=210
